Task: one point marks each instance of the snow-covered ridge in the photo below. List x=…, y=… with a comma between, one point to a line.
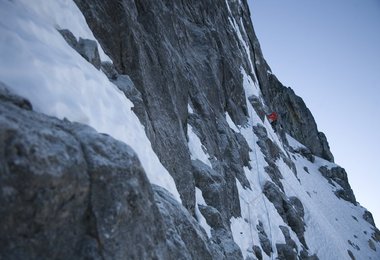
x=37, y=63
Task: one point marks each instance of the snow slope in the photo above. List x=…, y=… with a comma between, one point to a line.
x=330, y=222
x=37, y=63
x=333, y=225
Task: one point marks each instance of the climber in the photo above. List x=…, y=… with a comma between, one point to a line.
x=272, y=117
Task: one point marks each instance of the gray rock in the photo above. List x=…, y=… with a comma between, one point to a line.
x=125, y=84
x=87, y=48
x=305, y=152
x=69, y=38
x=367, y=216
x=44, y=187
x=285, y=252
x=55, y=175
x=223, y=240
x=351, y=255
x=295, y=118
x=304, y=255
x=285, y=209
x=185, y=238
x=371, y=244
x=339, y=175
x=258, y=106
x=6, y=96
x=176, y=54
x=297, y=204
x=243, y=149
x=376, y=234
x=258, y=253
x=212, y=216
x=221, y=235
x=290, y=243
x=355, y=246
x=265, y=242
x=272, y=153
x=109, y=70
x=122, y=201
x=213, y=187
x=274, y=173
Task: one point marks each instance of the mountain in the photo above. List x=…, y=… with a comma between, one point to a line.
x=139, y=130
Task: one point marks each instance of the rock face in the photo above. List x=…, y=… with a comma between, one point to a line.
x=193, y=58
x=295, y=117
x=339, y=176
x=188, y=56
x=292, y=215
x=68, y=192
x=191, y=68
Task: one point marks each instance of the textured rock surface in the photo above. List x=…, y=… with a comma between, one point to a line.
x=339, y=175
x=291, y=215
x=88, y=49
x=265, y=242
x=188, y=55
x=68, y=192
x=7, y=96
x=294, y=116
x=185, y=239
x=44, y=187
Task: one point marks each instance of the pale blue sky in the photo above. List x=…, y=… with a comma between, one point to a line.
x=328, y=51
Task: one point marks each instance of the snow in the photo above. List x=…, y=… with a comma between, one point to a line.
x=197, y=150
x=250, y=88
x=231, y=123
x=294, y=143
x=37, y=63
x=330, y=221
x=255, y=206
x=189, y=109
x=239, y=34
x=62, y=14
x=199, y=200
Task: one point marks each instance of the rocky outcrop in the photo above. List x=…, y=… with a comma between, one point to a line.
x=265, y=242
x=7, y=97
x=294, y=116
x=291, y=214
x=87, y=48
x=68, y=192
x=339, y=176
x=180, y=53
x=185, y=239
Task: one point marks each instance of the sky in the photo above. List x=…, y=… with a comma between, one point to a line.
x=328, y=52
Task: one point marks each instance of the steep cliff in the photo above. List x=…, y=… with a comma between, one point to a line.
x=206, y=176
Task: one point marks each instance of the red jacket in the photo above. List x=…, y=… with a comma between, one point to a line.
x=272, y=117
